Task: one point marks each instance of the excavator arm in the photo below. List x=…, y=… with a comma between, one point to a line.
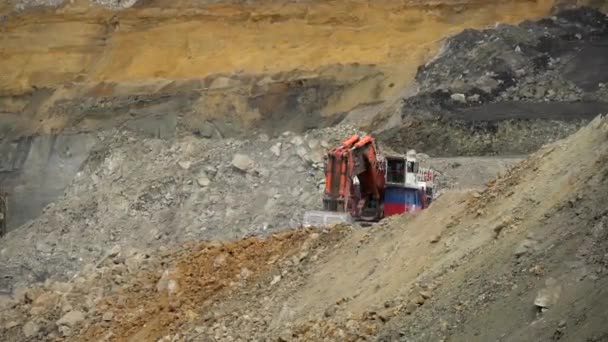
x=354, y=157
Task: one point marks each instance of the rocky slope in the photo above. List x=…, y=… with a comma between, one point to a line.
x=524, y=259
x=508, y=89
x=139, y=192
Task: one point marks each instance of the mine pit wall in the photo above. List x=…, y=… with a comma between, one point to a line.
x=215, y=106
x=506, y=90
x=36, y=170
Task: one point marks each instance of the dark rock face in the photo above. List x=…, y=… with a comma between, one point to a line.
x=551, y=74
x=35, y=171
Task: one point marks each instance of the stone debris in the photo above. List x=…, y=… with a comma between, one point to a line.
x=459, y=98
x=549, y=295
x=243, y=162
x=518, y=79
x=203, y=180
x=524, y=248
x=184, y=188
x=71, y=318
x=30, y=329
x=276, y=149
x=108, y=316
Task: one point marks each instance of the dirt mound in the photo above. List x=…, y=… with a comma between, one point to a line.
x=135, y=295
x=508, y=89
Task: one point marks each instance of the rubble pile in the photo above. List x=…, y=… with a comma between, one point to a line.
x=142, y=192
x=539, y=61
x=506, y=90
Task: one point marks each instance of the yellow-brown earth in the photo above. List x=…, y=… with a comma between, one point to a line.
x=73, y=48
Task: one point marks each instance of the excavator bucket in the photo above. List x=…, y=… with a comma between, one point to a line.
x=325, y=218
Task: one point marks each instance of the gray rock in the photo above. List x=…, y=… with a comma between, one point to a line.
x=185, y=164
x=316, y=157
x=313, y=144
x=263, y=173
x=523, y=248
x=210, y=171
x=275, y=280
x=549, y=295
x=206, y=131
x=30, y=329
x=297, y=140
x=459, y=97
x=43, y=247
x=276, y=149
x=302, y=153
x=71, y=318
x=167, y=282
x=108, y=316
x=242, y=162
x=114, y=251
x=11, y=324
x=203, y=180
x=473, y=98
x=65, y=331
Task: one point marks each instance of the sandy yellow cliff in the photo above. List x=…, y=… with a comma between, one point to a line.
x=340, y=54
x=183, y=40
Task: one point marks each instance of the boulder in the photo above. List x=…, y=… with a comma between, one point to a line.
x=313, y=144
x=297, y=140
x=457, y=97
x=108, y=316
x=276, y=149
x=203, y=181
x=548, y=295
x=242, y=162
x=30, y=329
x=302, y=153
x=184, y=164
x=210, y=171
x=71, y=318
x=168, y=282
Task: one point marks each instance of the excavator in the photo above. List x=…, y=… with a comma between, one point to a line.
x=361, y=184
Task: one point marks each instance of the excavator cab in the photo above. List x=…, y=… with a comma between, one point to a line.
x=409, y=187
